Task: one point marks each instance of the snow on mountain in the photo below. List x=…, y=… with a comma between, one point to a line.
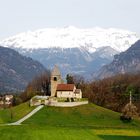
x=74, y=50
x=71, y=37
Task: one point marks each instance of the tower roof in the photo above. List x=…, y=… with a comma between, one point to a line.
x=55, y=71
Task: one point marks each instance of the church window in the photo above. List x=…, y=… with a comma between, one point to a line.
x=55, y=78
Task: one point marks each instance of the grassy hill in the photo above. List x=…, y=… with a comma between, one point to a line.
x=84, y=122
x=82, y=116
x=14, y=113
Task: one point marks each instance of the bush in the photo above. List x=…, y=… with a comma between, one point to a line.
x=125, y=119
x=128, y=112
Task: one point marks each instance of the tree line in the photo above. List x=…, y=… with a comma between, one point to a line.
x=114, y=92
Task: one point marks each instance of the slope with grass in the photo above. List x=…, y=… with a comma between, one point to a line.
x=84, y=122
x=82, y=116
x=15, y=113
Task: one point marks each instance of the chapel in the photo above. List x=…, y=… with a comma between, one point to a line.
x=63, y=90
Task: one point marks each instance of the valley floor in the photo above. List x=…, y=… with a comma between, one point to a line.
x=84, y=122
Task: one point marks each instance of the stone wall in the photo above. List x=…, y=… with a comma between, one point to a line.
x=68, y=104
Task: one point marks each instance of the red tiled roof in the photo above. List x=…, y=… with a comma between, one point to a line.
x=65, y=87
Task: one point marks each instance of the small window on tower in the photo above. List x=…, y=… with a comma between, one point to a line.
x=55, y=78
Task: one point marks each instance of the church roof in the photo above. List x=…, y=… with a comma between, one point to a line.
x=65, y=87
x=55, y=71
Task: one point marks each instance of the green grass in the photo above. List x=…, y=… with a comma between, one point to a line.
x=89, y=121
x=84, y=116
x=86, y=122
x=17, y=112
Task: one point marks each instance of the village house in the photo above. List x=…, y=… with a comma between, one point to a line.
x=8, y=99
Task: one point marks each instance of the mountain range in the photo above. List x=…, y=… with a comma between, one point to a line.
x=74, y=50
x=125, y=62
x=16, y=71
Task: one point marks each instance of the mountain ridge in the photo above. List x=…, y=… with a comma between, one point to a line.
x=125, y=62
x=16, y=70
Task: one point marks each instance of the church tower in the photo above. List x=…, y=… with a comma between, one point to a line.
x=55, y=80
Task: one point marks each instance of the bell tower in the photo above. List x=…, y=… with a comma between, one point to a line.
x=55, y=80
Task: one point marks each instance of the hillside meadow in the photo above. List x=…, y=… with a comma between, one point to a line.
x=84, y=122
x=14, y=113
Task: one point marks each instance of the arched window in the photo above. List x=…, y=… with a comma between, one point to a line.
x=55, y=79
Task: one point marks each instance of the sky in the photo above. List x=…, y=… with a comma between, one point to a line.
x=23, y=15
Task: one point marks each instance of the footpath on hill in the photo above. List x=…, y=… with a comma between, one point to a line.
x=27, y=116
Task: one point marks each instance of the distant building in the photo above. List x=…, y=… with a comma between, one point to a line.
x=8, y=99
x=1, y=102
x=61, y=90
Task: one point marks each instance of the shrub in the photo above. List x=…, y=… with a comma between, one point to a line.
x=128, y=112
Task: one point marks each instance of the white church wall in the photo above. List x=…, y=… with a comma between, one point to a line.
x=65, y=94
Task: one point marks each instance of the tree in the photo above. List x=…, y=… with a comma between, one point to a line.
x=46, y=87
x=16, y=100
x=69, y=79
x=40, y=85
x=78, y=80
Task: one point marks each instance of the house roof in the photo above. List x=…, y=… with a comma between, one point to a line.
x=9, y=96
x=65, y=87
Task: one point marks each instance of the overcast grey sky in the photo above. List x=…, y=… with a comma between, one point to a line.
x=22, y=15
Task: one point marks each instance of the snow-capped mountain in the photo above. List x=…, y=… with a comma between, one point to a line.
x=72, y=37
x=75, y=50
